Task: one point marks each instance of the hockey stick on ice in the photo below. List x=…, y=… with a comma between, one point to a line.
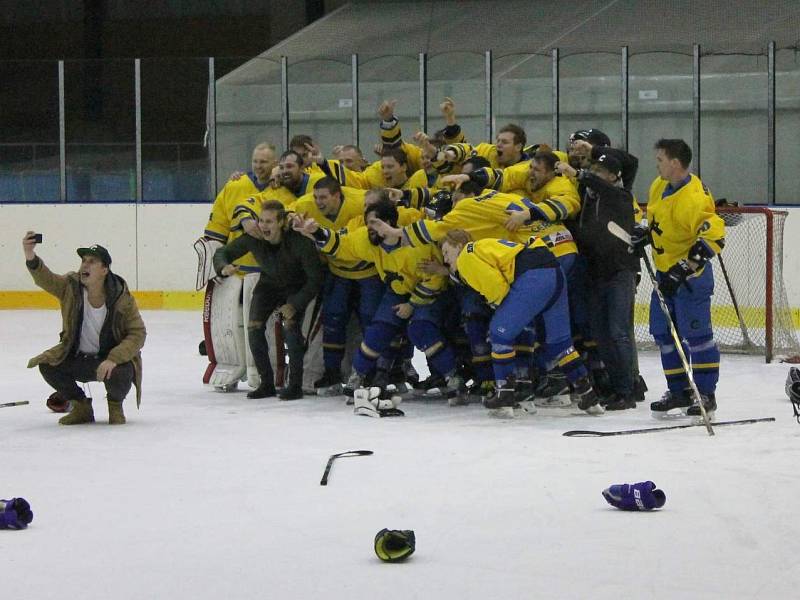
x=582, y=433
x=20, y=403
x=333, y=457
x=617, y=231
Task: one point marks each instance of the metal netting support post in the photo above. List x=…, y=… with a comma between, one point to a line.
x=554, y=55
x=696, y=105
x=768, y=292
x=423, y=91
x=489, y=107
x=62, y=135
x=771, y=124
x=624, y=87
x=212, y=125
x=137, y=111
x=354, y=79
x=285, y=100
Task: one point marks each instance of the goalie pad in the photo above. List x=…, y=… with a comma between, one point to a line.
x=205, y=261
x=313, y=366
x=223, y=328
x=368, y=403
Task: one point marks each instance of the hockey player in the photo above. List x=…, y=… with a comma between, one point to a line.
x=508, y=149
x=102, y=333
x=350, y=284
x=685, y=233
x=523, y=282
x=407, y=292
x=290, y=279
x=227, y=303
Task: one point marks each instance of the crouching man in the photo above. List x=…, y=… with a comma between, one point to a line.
x=102, y=333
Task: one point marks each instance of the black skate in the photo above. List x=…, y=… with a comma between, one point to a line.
x=587, y=398
x=330, y=384
x=501, y=404
x=671, y=405
x=552, y=391
x=709, y=403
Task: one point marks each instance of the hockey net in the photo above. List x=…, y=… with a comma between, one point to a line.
x=749, y=309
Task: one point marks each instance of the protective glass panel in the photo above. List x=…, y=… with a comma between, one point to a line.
x=321, y=102
x=590, y=95
x=175, y=165
x=733, y=127
x=248, y=112
x=29, y=158
x=659, y=106
x=462, y=77
x=100, y=130
x=387, y=78
x=787, y=126
x=523, y=94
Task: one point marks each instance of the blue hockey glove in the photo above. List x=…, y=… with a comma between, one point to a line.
x=15, y=513
x=636, y=496
x=674, y=278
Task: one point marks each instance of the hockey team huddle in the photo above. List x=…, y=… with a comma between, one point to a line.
x=512, y=267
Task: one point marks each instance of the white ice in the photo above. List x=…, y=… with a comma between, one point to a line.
x=207, y=495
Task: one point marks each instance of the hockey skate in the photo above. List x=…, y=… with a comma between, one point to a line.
x=354, y=382
x=501, y=404
x=671, y=405
x=330, y=384
x=709, y=403
x=476, y=393
x=587, y=397
x=553, y=391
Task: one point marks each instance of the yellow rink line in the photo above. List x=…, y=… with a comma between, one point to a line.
x=722, y=316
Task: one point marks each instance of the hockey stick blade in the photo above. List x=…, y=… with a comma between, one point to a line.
x=333, y=457
x=20, y=403
x=618, y=231
x=582, y=433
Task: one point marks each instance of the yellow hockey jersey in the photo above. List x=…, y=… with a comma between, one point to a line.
x=487, y=266
x=222, y=222
x=405, y=216
x=681, y=217
x=396, y=265
x=392, y=137
x=481, y=216
x=352, y=208
x=250, y=208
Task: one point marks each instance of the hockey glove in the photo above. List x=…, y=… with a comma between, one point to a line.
x=15, y=513
x=674, y=278
x=793, y=390
x=640, y=239
x=636, y=496
x=395, y=545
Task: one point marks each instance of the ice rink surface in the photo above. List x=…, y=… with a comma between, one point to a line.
x=209, y=496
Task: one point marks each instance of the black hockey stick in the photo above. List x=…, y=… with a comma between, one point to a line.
x=618, y=231
x=324, y=480
x=14, y=403
x=582, y=433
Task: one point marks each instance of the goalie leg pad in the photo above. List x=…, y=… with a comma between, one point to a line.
x=205, y=261
x=224, y=329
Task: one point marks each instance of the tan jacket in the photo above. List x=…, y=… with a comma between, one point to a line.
x=127, y=328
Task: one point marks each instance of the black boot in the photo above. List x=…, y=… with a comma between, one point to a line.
x=265, y=390
x=620, y=402
x=293, y=391
x=330, y=384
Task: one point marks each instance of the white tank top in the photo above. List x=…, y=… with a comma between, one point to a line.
x=93, y=319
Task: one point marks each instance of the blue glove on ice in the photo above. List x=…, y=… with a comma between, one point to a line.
x=15, y=513
x=635, y=496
